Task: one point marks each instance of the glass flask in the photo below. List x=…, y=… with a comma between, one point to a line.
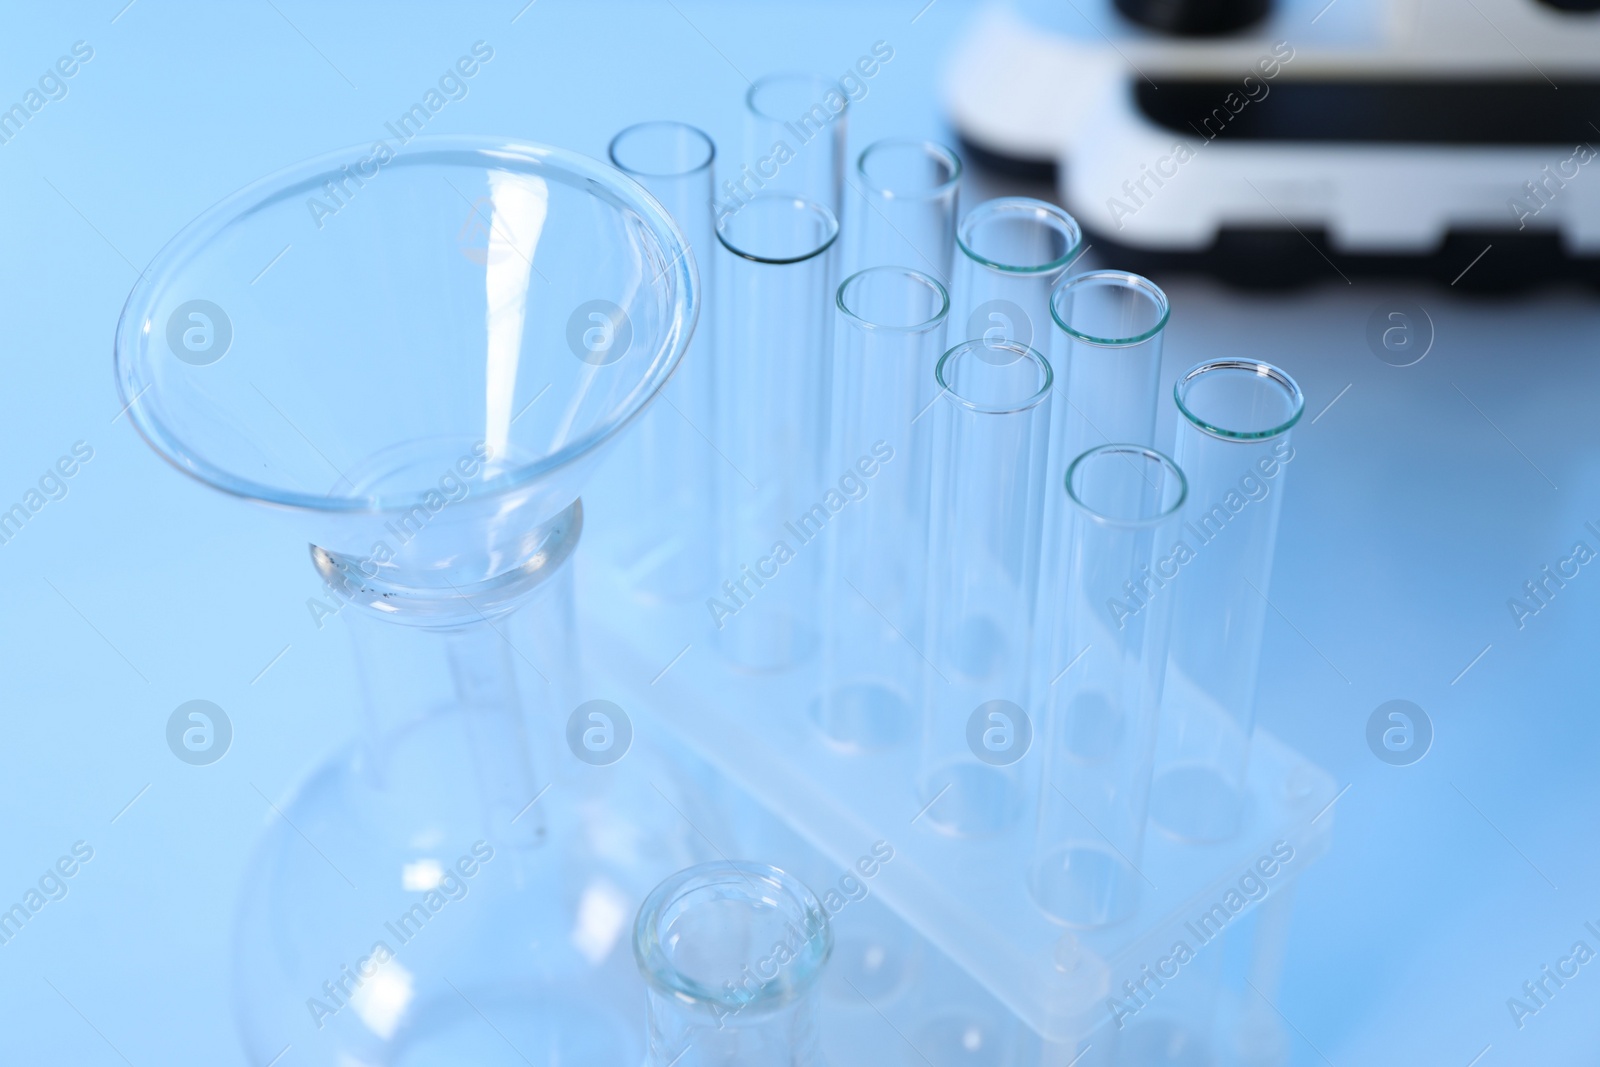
x=396, y=347
x=731, y=954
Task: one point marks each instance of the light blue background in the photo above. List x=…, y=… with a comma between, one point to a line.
x=1411, y=517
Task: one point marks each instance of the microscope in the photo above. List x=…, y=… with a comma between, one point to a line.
x=1274, y=144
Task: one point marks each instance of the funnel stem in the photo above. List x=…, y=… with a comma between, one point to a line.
x=493, y=716
x=501, y=677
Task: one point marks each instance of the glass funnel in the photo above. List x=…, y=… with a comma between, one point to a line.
x=417, y=354
x=421, y=352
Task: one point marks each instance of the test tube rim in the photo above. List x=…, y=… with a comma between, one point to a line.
x=1261, y=369
x=990, y=208
x=1021, y=350
x=1121, y=277
x=833, y=231
x=711, y=149
x=1102, y=519
x=933, y=148
x=647, y=949
x=867, y=324
x=798, y=75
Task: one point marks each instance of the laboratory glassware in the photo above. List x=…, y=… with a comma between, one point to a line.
x=388, y=345
x=775, y=275
x=991, y=441
x=1011, y=253
x=794, y=143
x=1102, y=708
x=1105, y=344
x=667, y=462
x=889, y=333
x=731, y=954
x=410, y=916
x=1233, y=444
x=904, y=207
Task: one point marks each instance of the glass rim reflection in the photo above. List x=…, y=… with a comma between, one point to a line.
x=135, y=326
x=793, y=77
x=931, y=149
x=991, y=210
x=1150, y=455
x=829, y=229
x=916, y=277
x=1019, y=351
x=1126, y=279
x=758, y=883
x=1276, y=376
x=685, y=128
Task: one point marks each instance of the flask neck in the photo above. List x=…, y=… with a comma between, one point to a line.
x=457, y=581
x=492, y=663
x=728, y=1033
x=732, y=954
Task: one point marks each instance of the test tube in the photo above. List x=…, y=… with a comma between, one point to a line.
x=987, y=505
x=906, y=194
x=1011, y=253
x=1106, y=345
x=794, y=141
x=1233, y=443
x=732, y=954
x=1111, y=642
x=668, y=463
x=775, y=282
x=890, y=325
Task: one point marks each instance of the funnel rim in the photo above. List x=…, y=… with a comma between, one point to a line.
x=131, y=364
